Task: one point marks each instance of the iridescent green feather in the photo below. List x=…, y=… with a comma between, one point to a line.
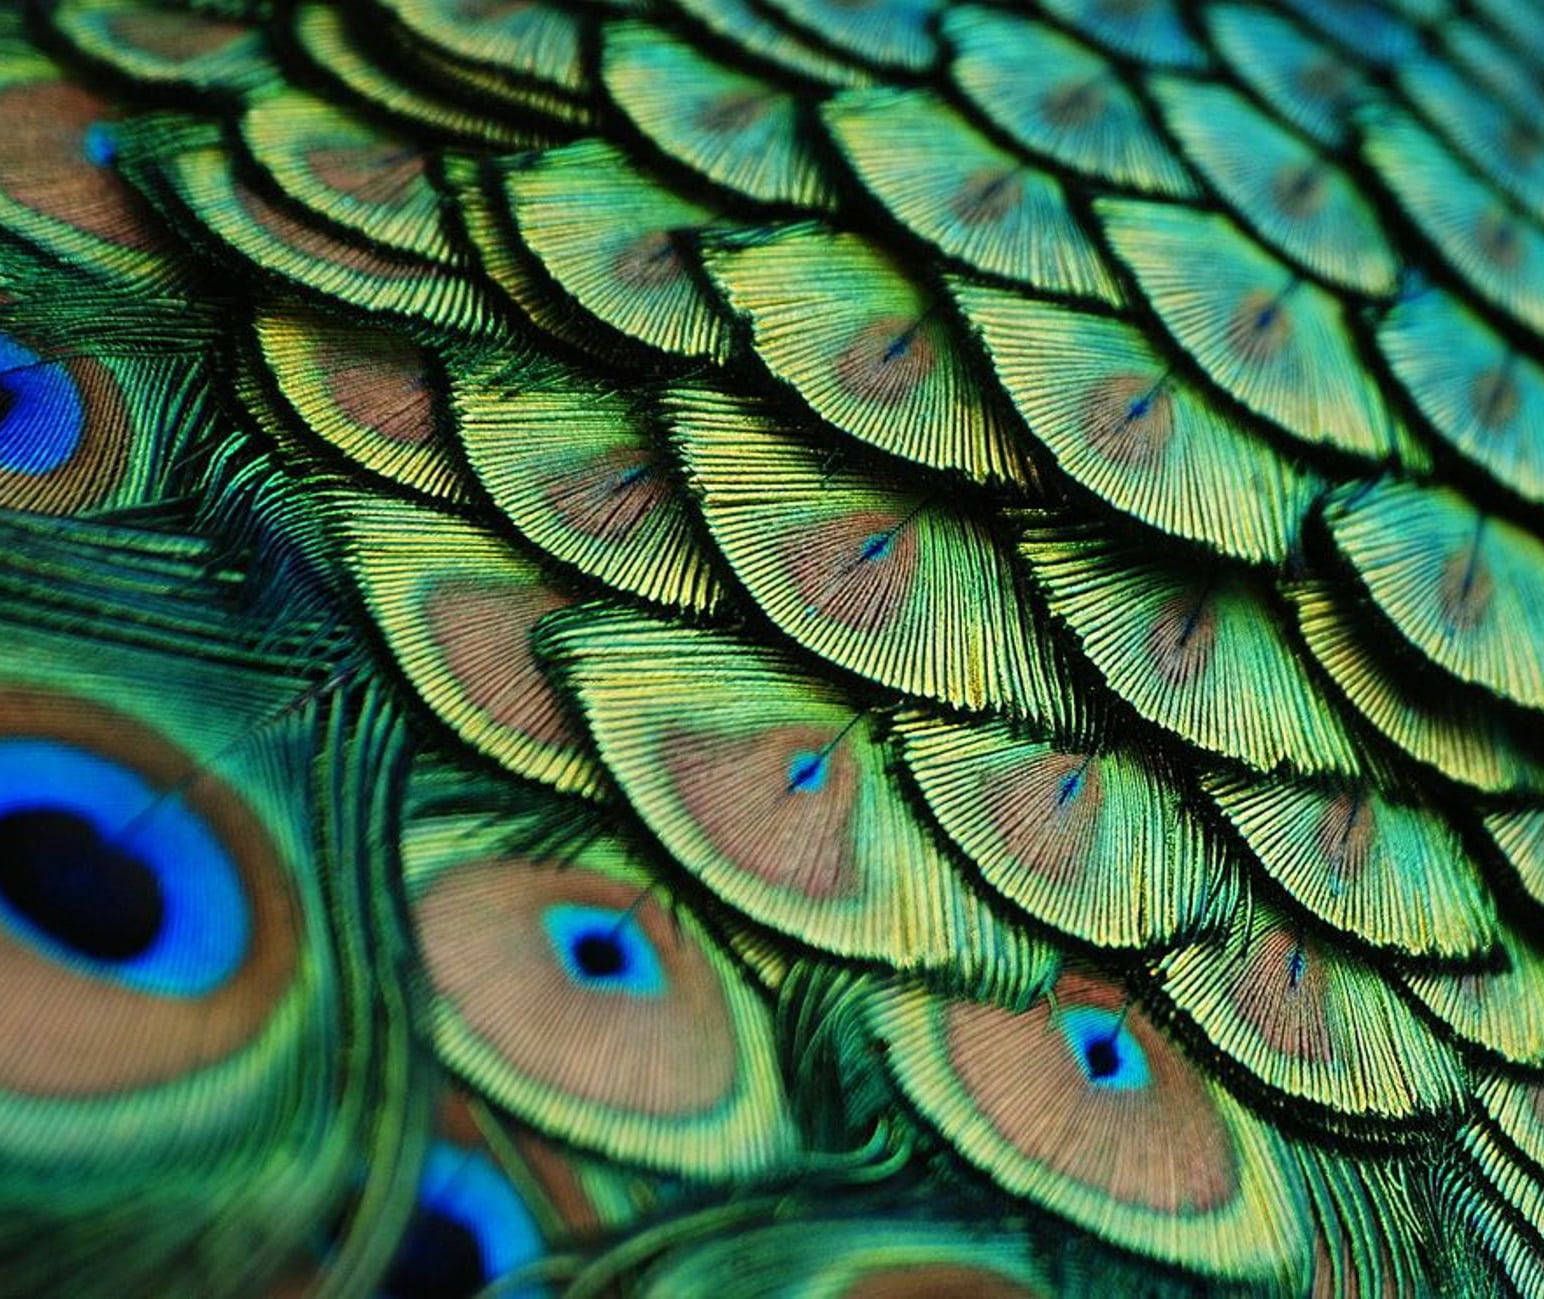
x=975, y=202
x=1091, y=839
x=366, y=390
x=1277, y=343
x=169, y=49
x=610, y=237
x=324, y=37
x=1368, y=1219
x=1482, y=395
x=773, y=789
x=1487, y=57
x=839, y=321
x=457, y=606
x=1366, y=29
x=1058, y=98
x=108, y=405
x=745, y=133
x=1485, y=1250
x=571, y=463
x=1082, y=1105
x=438, y=316
x=197, y=170
x=1151, y=31
x=1198, y=651
x=1313, y=1024
x=1519, y=835
x=667, y=1060
x=1499, y=1009
x=228, y=1122
x=60, y=192
x=851, y=1256
x=1299, y=77
x=1301, y=203
x=349, y=171
x=1518, y=1185
x=1124, y=425
x=478, y=190
x=1506, y=147
x=1516, y=1107
x=407, y=56
x=894, y=34
x=1464, y=588
x=1493, y=248
x=748, y=29
x=897, y=585
x=541, y=41
x=1456, y=732
x=1514, y=23
x=1391, y=874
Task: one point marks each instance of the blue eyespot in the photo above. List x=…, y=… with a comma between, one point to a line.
x=41, y=417
x=1107, y=1051
x=1297, y=966
x=807, y=772
x=99, y=145
x=877, y=545
x=604, y=949
x=470, y=1229
x=111, y=877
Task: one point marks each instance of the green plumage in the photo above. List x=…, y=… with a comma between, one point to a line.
x=771, y=648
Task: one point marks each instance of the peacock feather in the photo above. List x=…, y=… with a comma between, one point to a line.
x=771, y=649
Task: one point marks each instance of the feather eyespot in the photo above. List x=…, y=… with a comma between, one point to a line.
x=42, y=419
x=567, y=994
x=1129, y=418
x=1110, y=1055
x=1495, y=398
x=133, y=885
x=102, y=871
x=650, y=261
x=469, y=1228
x=1498, y=240
x=53, y=163
x=987, y=195
x=887, y=361
x=604, y=950
x=1074, y=105
x=807, y=772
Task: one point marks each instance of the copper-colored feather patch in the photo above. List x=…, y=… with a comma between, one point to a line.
x=52, y=160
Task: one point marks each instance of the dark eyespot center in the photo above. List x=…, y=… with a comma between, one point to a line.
x=100, y=145
x=1297, y=967
x=80, y=889
x=877, y=546
x=600, y=956
x=439, y=1258
x=1102, y=1056
x=806, y=773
